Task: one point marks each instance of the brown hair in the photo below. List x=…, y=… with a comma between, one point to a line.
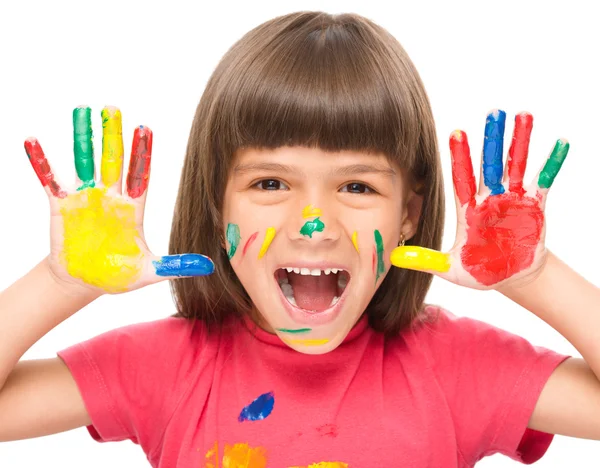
x=336, y=82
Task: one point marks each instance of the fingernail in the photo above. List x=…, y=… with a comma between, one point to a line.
x=184, y=265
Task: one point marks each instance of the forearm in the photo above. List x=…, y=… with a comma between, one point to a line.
x=29, y=309
x=568, y=303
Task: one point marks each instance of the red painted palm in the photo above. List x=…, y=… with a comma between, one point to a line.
x=501, y=227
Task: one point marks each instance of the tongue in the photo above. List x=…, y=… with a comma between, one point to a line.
x=313, y=292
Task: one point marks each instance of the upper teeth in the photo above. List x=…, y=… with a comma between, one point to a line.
x=313, y=272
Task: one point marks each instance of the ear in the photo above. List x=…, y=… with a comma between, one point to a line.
x=412, y=214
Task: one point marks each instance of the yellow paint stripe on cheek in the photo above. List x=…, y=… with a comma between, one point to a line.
x=420, y=258
x=100, y=236
x=269, y=235
x=112, y=146
x=355, y=240
x=306, y=341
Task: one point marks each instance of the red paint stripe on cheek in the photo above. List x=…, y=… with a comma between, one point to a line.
x=248, y=242
x=374, y=258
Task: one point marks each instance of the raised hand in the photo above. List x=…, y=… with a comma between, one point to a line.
x=501, y=227
x=96, y=231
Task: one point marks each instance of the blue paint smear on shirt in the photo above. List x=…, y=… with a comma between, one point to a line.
x=258, y=409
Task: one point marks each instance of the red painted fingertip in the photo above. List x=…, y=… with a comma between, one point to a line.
x=462, y=168
x=518, y=152
x=138, y=175
x=40, y=165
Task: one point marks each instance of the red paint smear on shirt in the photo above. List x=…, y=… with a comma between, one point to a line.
x=330, y=430
x=248, y=242
x=138, y=175
x=462, y=167
x=42, y=168
x=503, y=233
x=517, y=154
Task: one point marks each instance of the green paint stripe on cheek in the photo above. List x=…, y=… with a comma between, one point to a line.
x=233, y=237
x=380, y=262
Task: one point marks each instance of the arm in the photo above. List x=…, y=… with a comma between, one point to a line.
x=570, y=401
x=44, y=389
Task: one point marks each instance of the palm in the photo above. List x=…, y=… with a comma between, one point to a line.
x=96, y=231
x=501, y=229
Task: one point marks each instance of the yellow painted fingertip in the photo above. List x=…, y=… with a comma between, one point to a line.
x=355, y=240
x=269, y=235
x=112, y=146
x=420, y=258
x=309, y=211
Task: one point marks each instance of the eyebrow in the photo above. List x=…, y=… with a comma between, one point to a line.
x=353, y=169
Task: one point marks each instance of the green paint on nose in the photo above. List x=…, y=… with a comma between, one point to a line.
x=312, y=226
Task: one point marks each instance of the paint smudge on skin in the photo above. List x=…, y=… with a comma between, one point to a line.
x=236, y=456
x=112, y=146
x=100, y=240
x=553, y=164
x=355, y=240
x=492, y=151
x=42, y=169
x=310, y=227
x=324, y=465
x=462, y=167
x=329, y=430
x=307, y=341
x=138, y=175
x=251, y=239
x=259, y=409
x=184, y=265
x=269, y=235
x=83, y=146
x=518, y=151
x=310, y=211
x=294, y=330
x=233, y=237
x=419, y=258
x=380, y=262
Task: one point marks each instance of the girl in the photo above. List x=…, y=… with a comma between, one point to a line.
x=312, y=180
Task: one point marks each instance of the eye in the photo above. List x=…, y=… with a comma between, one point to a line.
x=270, y=184
x=357, y=187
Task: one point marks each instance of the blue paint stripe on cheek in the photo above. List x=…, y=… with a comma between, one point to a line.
x=493, y=144
x=258, y=409
x=184, y=265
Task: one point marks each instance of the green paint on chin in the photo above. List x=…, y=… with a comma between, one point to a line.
x=380, y=262
x=294, y=330
x=233, y=237
x=311, y=226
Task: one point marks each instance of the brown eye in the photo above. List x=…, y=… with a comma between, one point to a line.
x=270, y=184
x=356, y=187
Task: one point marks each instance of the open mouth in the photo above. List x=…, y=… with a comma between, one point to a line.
x=313, y=290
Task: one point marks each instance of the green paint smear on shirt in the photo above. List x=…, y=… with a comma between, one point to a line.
x=380, y=263
x=294, y=330
x=553, y=164
x=312, y=226
x=83, y=146
x=233, y=237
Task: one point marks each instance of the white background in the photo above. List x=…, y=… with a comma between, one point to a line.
x=152, y=59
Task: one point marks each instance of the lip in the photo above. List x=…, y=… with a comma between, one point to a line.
x=317, y=318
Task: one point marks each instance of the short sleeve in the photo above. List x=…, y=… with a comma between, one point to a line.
x=131, y=378
x=492, y=380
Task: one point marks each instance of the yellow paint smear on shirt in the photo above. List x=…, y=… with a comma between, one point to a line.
x=100, y=240
x=420, y=258
x=310, y=211
x=355, y=240
x=306, y=341
x=236, y=456
x=324, y=465
x=112, y=146
x=269, y=235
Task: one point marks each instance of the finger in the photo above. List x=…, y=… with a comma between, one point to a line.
x=420, y=258
x=42, y=168
x=553, y=164
x=83, y=147
x=183, y=265
x=518, y=151
x=138, y=175
x=491, y=165
x=112, y=148
x=462, y=167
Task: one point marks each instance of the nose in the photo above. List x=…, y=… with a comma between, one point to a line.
x=313, y=224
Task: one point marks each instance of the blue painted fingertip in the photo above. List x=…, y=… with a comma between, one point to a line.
x=184, y=265
x=493, y=150
x=258, y=409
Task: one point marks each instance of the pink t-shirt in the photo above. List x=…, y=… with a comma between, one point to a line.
x=443, y=393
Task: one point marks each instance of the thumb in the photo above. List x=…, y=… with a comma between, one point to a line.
x=420, y=258
x=182, y=265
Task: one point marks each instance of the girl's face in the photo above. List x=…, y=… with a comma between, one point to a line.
x=309, y=233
